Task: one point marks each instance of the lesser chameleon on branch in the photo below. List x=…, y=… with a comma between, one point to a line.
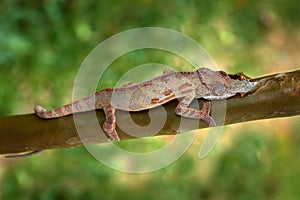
x=186, y=86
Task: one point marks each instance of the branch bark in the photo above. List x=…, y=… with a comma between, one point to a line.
x=276, y=96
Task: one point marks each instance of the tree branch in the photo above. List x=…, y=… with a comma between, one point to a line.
x=276, y=96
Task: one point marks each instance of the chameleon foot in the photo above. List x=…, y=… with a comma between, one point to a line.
x=111, y=132
x=211, y=122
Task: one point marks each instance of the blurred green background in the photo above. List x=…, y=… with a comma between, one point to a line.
x=42, y=44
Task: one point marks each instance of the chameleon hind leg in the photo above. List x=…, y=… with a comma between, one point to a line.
x=109, y=125
x=183, y=110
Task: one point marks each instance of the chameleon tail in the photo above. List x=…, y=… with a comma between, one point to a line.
x=81, y=105
x=58, y=112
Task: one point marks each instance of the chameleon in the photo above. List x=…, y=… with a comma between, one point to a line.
x=185, y=86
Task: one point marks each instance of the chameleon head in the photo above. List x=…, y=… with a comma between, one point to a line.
x=219, y=85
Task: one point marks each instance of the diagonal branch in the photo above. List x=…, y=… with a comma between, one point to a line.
x=275, y=96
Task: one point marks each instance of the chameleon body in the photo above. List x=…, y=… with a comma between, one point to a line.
x=186, y=86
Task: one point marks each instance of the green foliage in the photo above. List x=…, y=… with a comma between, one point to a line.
x=42, y=44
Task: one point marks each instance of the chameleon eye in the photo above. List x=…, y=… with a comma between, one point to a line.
x=223, y=73
x=218, y=90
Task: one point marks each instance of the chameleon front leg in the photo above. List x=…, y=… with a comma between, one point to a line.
x=183, y=110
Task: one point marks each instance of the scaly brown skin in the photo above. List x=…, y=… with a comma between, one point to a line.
x=202, y=83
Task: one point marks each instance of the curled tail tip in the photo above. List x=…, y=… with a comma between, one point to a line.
x=39, y=110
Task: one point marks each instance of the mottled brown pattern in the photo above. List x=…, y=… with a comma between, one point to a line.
x=154, y=100
x=186, y=91
x=166, y=99
x=154, y=92
x=184, y=86
x=168, y=92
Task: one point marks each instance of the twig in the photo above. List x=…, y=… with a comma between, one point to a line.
x=276, y=95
